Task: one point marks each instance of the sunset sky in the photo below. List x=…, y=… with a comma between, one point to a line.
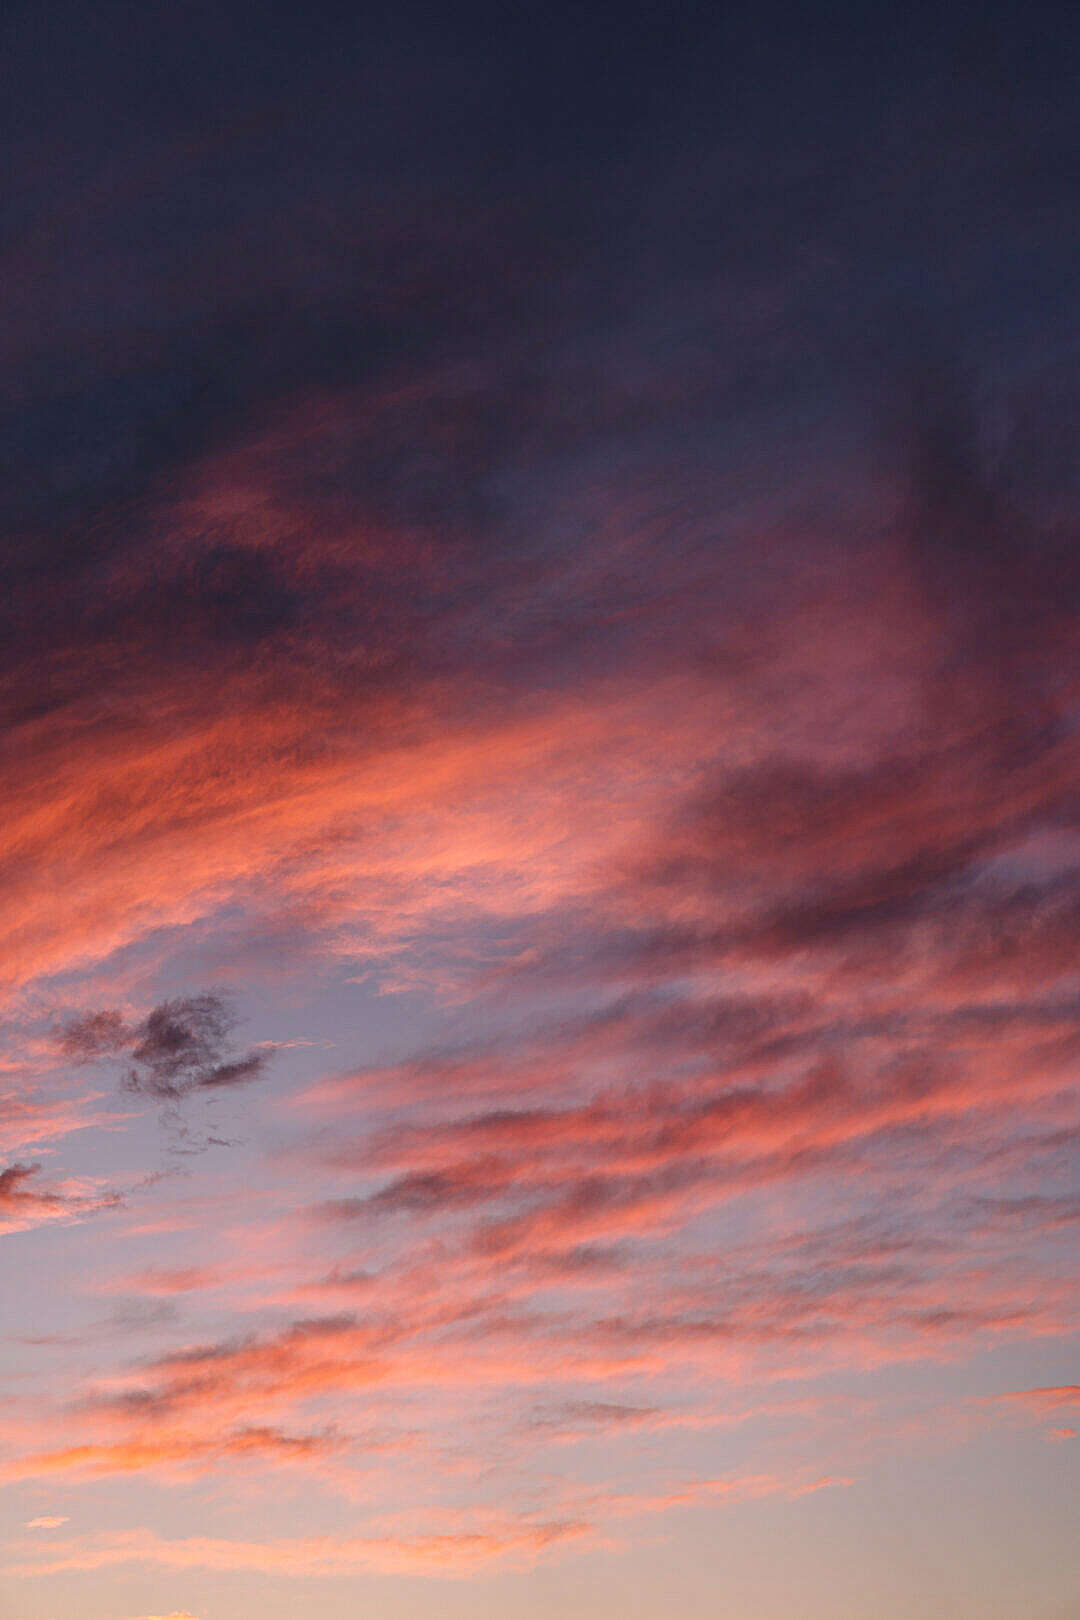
x=540, y=855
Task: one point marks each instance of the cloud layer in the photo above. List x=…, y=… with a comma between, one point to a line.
x=539, y=581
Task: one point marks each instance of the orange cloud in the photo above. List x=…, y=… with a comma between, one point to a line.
x=310, y=1556
x=24, y=1204
x=1042, y=1401
x=478, y=1540
x=186, y=1454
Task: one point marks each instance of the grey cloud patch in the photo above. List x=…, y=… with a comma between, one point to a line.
x=95, y=1035
x=580, y=1419
x=181, y=1046
x=235, y=1073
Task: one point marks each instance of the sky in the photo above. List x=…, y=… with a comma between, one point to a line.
x=540, y=855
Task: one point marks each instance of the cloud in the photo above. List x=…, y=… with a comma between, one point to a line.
x=474, y=1541
x=13, y=1191
x=577, y=665
x=1049, y=1403
x=314, y=1557
x=180, y=1047
x=46, y=1522
x=176, y=1614
x=1042, y=1401
x=93, y=1035
x=185, y=1454
x=165, y=1281
x=23, y=1205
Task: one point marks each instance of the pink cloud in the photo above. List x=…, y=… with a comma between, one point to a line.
x=1042, y=1401
x=446, y=1555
